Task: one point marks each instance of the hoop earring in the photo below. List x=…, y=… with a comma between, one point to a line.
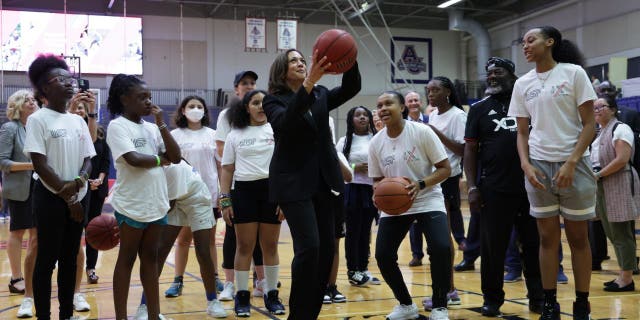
x=448, y=100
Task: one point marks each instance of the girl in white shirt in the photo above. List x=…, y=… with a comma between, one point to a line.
x=140, y=197
x=412, y=150
x=245, y=161
x=555, y=100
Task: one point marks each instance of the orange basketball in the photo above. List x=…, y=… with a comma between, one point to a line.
x=102, y=232
x=391, y=197
x=339, y=47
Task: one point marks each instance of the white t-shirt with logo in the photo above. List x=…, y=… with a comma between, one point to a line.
x=139, y=193
x=223, y=127
x=198, y=147
x=622, y=132
x=451, y=124
x=359, y=153
x=64, y=139
x=250, y=149
x=411, y=154
x=551, y=100
x=179, y=177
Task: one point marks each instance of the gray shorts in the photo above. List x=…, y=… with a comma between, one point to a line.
x=576, y=203
x=194, y=209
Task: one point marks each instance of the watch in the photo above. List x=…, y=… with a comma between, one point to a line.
x=422, y=184
x=92, y=115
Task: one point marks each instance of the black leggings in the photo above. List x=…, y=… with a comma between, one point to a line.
x=229, y=249
x=58, y=241
x=391, y=232
x=360, y=213
x=95, y=209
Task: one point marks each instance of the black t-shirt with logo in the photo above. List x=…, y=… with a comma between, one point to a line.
x=496, y=134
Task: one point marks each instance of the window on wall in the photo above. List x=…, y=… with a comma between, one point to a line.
x=601, y=71
x=633, y=67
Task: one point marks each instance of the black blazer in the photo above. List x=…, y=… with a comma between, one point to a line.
x=304, y=151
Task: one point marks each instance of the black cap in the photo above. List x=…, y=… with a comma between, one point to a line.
x=500, y=62
x=243, y=74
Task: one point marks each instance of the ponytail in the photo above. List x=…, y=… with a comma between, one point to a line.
x=563, y=50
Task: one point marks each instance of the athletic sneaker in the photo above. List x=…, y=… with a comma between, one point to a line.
x=581, y=312
x=336, y=296
x=175, y=290
x=242, y=305
x=327, y=297
x=357, y=278
x=227, y=293
x=562, y=278
x=403, y=312
x=452, y=300
x=372, y=279
x=141, y=313
x=215, y=309
x=258, y=290
x=550, y=312
x=513, y=276
x=273, y=303
x=80, y=303
x=439, y=314
x=25, y=310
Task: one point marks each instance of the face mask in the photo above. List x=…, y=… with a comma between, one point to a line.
x=194, y=115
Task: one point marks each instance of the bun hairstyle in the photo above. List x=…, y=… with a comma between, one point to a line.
x=41, y=66
x=562, y=50
x=120, y=85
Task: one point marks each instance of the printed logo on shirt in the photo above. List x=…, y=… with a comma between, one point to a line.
x=247, y=142
x=388, y=161
x=139, y=142
x=506, y=123
x=532, y=94
x=269, y=141
x=58, y=133
x=410, y=156
x=560, y=90
x=187, y=145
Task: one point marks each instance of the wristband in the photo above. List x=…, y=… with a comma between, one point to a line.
x=157, y=160
x=162, y=126
x=225, y=195
x=92, y=115
x=225, y=203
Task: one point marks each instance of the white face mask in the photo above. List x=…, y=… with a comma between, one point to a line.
x=194, y=115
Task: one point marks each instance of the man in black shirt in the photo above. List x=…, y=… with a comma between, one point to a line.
x=499, y=191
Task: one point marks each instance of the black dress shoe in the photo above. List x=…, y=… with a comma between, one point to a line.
x=596, y=267
x=464, y=266
x=614, y=287
x=608, y=283
x=489, y=310
x=415, y=262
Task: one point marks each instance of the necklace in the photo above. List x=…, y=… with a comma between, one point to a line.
x=543, y=80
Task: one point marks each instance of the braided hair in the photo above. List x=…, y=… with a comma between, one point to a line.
x=453, y=98
x=346, y=150
x=120, y=86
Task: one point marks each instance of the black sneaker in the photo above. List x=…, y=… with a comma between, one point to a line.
x=357, y=278
x=581, y=312
x=273, y=303
x=336, y=296
x=550, y=312
x=242, y=305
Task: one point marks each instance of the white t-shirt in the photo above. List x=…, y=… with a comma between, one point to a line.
x=623, y=132
x=64, y=139
x=250, y=149
x=412, y=154
x=223, y=127
x=451, y=124
x=359, y=154
x=179, y=177
x=139, y=193
x=552, y=105
x=198, y=147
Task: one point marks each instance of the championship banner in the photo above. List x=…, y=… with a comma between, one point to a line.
x=255, y=33
x=413, y=58
x=287, y=34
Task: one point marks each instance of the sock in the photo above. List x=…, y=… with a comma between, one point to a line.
x=178, y=279
x=582, y=298
x=143, y=300
x=242, y=280
x=211, y=296
x=271, y=277
x=550, y=296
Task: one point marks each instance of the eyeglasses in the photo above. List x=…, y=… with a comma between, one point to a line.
x=598, y=109
x=64, y=79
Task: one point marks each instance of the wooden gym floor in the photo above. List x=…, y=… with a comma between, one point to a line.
x=372, y=302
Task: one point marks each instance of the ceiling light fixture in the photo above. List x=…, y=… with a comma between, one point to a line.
x=364, y=7
x=448, y=3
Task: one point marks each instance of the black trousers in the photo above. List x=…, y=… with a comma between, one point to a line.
x=598, y=242
x=312, y=230
x=391, y=232
x=359, y=215
x=96, y=201
x=500, y=213
x=472, y=251
x=58, y=241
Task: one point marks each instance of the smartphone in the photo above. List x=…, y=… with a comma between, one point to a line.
x=83, y=85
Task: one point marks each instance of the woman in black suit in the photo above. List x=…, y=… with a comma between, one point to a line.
x=304, y=174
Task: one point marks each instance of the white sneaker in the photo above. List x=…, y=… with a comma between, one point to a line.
x=439, y=314
x=258, y=291
x=404, y=312
x=141, y=314
x=372, y=279
x=227, y=292
x=80, y=303
x=25, y=310
x=215, y=309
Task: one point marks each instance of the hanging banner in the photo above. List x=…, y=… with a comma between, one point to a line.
x=255, y=33
x=413, y=58
x=287, y=34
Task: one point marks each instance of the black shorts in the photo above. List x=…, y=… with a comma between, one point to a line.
x=21, y=213
x=216, y=214
x=250, y=200
x=339, y=216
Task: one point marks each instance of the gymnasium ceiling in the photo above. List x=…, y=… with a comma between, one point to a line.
x=413, y=14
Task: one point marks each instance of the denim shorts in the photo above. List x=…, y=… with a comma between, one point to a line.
x=137, y=224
